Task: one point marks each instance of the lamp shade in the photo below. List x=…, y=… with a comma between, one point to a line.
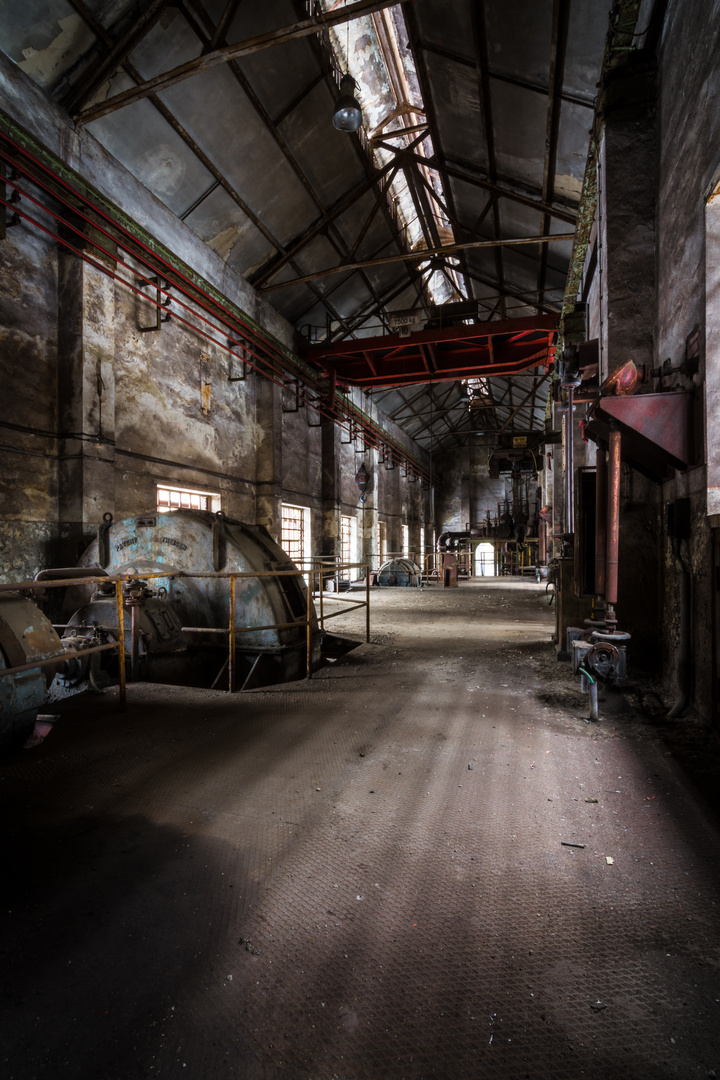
x=348, y=114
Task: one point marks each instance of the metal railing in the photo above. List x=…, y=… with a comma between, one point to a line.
x=310, y=619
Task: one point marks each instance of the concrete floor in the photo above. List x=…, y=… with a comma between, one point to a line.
x=363, y=876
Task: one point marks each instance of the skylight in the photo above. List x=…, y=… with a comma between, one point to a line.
x=374, y=50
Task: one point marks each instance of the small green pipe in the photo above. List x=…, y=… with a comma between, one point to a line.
x=586, y=674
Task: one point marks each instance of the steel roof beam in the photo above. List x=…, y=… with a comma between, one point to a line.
x=426, y=426
x=499, y=76
x=367, y=312
x=466, y=175
x=483, y=81
x=104, y=35
x=270, y=126
x=269, y=271
x=339, y=207
x=118, y=52
x=283, y=34
x=527, y=298
x=223, y=25
x=421, y=256
x=531, y=393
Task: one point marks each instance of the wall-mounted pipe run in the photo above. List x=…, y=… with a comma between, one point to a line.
x=569, y=465
x=208, y=314
x=448, y=541
x=613, y=519
x=66, y=572
x=601, y=509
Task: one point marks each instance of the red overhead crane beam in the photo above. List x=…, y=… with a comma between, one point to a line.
x=480, y=350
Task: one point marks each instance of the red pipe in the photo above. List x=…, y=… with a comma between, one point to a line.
x=613, y=519
x=373, y=437
x=601, y=510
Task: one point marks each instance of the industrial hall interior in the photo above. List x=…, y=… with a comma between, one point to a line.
x=360, y=539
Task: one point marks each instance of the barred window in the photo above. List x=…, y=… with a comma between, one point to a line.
x=169, y=498
x=293, y=531
x=346, y=539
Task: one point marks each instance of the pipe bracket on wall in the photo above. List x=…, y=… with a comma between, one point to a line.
x=162, y=315
x=242, y=346
x=297, y=401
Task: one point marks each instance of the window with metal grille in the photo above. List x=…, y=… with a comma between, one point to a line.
x=421, y=553
x=382, y=542
x=406, y=540
x=346, y=539
x=293, y=532
x=169, y=498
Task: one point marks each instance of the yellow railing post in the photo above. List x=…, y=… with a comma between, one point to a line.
x=308, y=628
x=322, y=613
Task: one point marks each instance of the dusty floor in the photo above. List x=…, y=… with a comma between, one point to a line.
x=363, y=876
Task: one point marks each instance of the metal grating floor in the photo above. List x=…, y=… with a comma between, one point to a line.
x=363, y=876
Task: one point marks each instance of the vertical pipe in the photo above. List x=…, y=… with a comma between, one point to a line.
x=121, y=643
x=563, y=433
x=593, y=695
x=601, y=509
x=232, y=636
x=570, y=465
x=135, y=642
x=542, y=543
x=367, y=603
x=308, y=630
x=613, y=519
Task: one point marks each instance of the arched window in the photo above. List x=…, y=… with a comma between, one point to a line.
x=485, y=560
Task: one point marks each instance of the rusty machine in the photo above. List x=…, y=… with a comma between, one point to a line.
x=399, y=571
x=179, y=599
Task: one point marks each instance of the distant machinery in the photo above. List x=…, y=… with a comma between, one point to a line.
x=399, y=571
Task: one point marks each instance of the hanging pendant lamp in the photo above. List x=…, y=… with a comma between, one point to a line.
x=348, y=114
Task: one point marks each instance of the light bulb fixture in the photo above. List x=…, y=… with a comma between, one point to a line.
x=348, y=114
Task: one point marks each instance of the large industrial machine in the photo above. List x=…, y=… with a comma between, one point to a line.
x=180, y=596
x=399, y=571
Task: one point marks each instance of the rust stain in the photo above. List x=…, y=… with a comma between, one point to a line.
x=205, y=385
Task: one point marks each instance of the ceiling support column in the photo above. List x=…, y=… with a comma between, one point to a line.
x=627, y=186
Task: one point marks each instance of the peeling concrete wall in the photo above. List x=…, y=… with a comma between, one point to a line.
x=689, y=89
x=100, y=408
x=30, y=535
x=466, y=491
